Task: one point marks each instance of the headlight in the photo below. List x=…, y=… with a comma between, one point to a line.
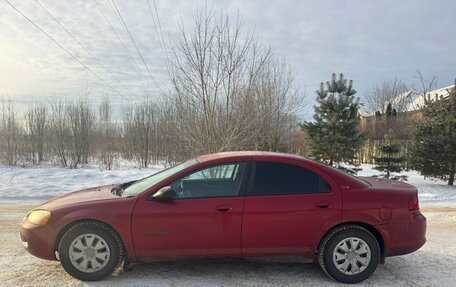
x=39, y=217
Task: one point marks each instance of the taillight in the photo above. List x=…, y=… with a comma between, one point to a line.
x=413, y=203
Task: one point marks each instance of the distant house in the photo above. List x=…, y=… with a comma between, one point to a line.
x=411, y=101
x=409, y=110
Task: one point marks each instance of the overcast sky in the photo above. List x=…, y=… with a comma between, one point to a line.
x=369, y=41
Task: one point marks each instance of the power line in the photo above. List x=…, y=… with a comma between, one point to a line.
x=134, y=44
x=63, y=48
x=161, y=30
x=120, y=39
x=85, y=49
x=159, y=33
x=163, y=39
x=132, y=40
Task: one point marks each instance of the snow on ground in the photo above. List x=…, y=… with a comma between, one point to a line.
x=36, y=185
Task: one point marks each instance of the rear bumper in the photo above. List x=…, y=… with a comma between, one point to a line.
x=38, y=240
x=404, y=238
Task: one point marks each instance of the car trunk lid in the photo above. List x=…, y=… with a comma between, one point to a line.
x=382, y=183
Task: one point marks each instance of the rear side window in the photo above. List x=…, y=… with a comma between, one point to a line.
x=272, y=178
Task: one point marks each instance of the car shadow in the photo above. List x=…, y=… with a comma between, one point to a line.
x=219, y=272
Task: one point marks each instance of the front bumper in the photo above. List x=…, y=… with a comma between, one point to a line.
x=38, y=240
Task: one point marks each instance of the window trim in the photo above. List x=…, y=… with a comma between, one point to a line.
x=242, y=186
x=252, y=176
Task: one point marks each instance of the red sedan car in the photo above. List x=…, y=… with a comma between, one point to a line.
x=236, y=204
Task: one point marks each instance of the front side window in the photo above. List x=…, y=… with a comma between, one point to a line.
x=215, y=181
x=273, y=178
x=147, y=182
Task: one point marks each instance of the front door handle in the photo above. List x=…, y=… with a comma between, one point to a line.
x=224, y=208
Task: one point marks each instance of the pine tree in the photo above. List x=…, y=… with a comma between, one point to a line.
x=389, y=162
x=434, y=148
x=389, y=110
x=334, y=136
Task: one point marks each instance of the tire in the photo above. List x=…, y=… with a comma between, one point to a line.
x=346, y=264
x=90, y=251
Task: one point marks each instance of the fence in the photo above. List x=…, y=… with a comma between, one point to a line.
x=371, y=149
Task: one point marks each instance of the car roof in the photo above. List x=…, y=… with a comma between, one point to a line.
x=247, y=154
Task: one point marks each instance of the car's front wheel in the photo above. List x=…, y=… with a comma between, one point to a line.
x=349, y=254
x=90, y=251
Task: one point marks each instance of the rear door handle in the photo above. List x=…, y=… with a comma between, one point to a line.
x=323, y=204
x=224, y=208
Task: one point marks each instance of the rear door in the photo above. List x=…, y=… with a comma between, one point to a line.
x=288, y=208
x=204, y=220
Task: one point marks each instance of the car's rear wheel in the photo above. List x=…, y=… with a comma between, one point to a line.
x=90, y=251
x=349, y=254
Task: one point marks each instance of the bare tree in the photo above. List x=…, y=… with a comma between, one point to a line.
x=10, y=132
x=140, y=129
x=107, y=132
x=423, y=87
x=392, y=91
x=170, y=145
x=60, y=131
x=220, y=77
x=36, y=122
x=277, y=104
x=228, y=93
x=80, y=119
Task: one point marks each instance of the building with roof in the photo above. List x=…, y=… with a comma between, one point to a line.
x=408, y=110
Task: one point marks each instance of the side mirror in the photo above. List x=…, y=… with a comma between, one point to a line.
x=165, y=193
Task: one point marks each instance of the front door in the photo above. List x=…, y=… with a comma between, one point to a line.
x=203, y=221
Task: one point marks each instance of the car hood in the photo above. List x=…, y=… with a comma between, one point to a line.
x=81, y=196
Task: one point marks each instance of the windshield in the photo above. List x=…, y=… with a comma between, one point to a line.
x=145, y=183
